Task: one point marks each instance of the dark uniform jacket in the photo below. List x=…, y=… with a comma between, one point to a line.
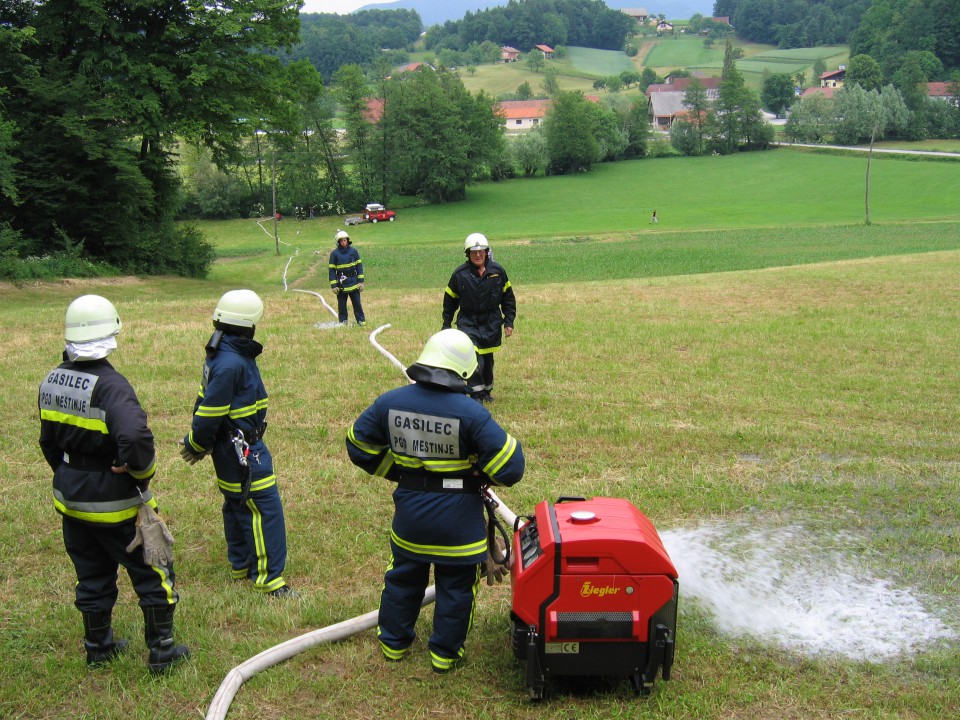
x=346, y=268
x=485, y=304
x=425, y=435
x=90, y=420
x=232, y=396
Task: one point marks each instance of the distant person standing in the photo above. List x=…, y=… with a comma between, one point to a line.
x=346, y=278
x=481, y=297
x=653, y=218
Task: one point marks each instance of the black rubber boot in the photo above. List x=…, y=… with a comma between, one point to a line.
x=98, y=639
x=158, y=632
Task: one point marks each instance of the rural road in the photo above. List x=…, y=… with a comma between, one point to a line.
x=895, y=151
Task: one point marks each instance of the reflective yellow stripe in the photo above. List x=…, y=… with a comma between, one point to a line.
x=236, y=487
x=108, y=518
x=211, y=411
x=451, y=551
x=506, y=286
x=384, y=467
x=165, y=583
x=243, y=412
x=451, y=293
x=437, y=466
x=362, y=446
x=502, y=457
x=194, y=444
x=149, y=472
x=86, y=423
x=389, y=652
x=259, y=542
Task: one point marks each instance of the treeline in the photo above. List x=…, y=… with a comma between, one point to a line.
x=330, y=41
x=793, y=23
x=525, y=23
x=887, y=30
x=95, y=98
x=892, y=31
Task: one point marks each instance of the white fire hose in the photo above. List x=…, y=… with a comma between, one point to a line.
x=228, y=689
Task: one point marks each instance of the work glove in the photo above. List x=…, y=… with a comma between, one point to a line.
x=336, y=290
x=188, y=455
x=360, y=287
x=154, y=537
x=492, y=569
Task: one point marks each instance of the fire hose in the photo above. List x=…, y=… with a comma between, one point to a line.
x=234, y=679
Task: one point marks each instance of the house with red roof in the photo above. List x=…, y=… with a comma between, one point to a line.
x=833, y=78
x=525, y=115
x=943, y=91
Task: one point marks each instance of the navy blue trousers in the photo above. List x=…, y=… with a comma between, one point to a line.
x=256, y=537
x=357, y=306
x=98, y=552
x=405, y=583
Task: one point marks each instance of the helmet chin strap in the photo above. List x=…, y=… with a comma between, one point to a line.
x=92, y=350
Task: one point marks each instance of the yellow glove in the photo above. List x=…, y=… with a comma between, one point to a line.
x=188, y=455
x=154, y=537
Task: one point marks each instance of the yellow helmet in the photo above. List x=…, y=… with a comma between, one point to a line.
x=91, y=317
x=243, y=308
x=452, y=350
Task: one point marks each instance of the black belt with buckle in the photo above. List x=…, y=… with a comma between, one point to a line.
x=438, y=483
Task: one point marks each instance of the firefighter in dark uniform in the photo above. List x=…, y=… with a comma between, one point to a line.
x=346, y=278
x=94, y=435
x=480, y=295
x=229, y=419
x=440, y=447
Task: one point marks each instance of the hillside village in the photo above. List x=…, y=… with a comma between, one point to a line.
x=373, y=107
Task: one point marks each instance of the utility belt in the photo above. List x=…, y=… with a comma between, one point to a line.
x=251, y=437
x=435, y=482
x=80, y=461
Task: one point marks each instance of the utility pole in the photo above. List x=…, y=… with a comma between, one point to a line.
x=273, y=182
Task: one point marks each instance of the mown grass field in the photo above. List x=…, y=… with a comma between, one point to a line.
x=583, y=65
x=599, y=63
x=760, y=357
x=505, y=78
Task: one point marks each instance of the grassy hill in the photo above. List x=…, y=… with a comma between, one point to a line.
x=760, y=361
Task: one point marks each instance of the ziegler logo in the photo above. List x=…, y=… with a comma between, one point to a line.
x=588, y=590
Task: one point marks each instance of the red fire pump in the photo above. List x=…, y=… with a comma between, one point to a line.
x=594, y=593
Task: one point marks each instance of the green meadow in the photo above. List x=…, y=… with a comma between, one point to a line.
x=761, y=357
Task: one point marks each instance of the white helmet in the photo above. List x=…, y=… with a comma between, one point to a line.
x=243, y=308
x=91, y=317
x=450, y=349
x=341, y=235
x=476, y=241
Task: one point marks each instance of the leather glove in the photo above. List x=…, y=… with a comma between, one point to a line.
x=360, y=287
x=188, y=455
x=492, y=569
x=154, y=536
x=336, y=290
